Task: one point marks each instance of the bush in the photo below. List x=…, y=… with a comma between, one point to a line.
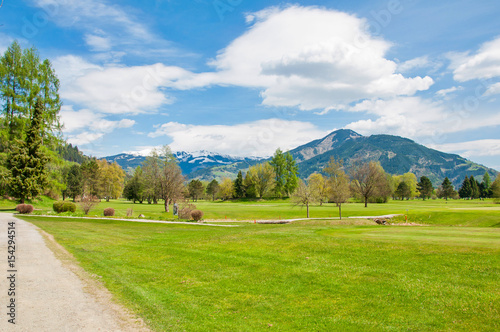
x=196, y=215
x=87, y=203
x=185, y=211
x=60, y=207
x=109, y=212
x=24, y=208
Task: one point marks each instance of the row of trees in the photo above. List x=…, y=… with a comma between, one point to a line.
x=471, y=188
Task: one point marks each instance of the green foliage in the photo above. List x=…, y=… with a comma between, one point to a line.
x=446, y=191
x=24, y=208
x=239, y=186
x=74, y=182
x=71, y=153
x=60, y=207
x=134, y=189
x=403, y=191
x=196, y=189
x=465, y=190
x=285, y=172
x=27, y=161
x=213, y=188
x=425, y=187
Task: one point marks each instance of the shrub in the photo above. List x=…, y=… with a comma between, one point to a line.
x=87, y=203
x=196, y=215
x=185, y=211
x=24, y=208
x=109, y=212
x=60, y=207
x=130, y=212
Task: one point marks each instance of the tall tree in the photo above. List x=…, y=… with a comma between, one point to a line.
x=90, y=172
x=447, y=189
x=425, y=187
x=74, y=182
x=152, y=171
x=285, y=173
x=226, y=188
x=172, y=180
x=213, y=188
x=196, y=189
x=495, y=188
x=261, y=176
x=27, y=161
x=134, y=189
x=338, y=183
x=403, y=190
x=319, y=184
x=110, y=181
x=465, y=190
x=368, y=180
x=239, y=186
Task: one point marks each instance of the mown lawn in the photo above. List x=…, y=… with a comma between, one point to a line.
x=306, y=276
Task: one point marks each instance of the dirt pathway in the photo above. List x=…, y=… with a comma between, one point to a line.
x=52, y=293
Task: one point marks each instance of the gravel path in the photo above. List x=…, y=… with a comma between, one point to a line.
x=52, y=293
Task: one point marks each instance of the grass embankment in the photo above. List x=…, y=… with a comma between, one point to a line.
x=301, y=276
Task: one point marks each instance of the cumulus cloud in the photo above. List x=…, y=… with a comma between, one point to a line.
x=418, y=118
x=309, y=57
x=84, y=138
x=115, y=89
x=484, y=64
x=258, y=138
x=485, y=147
x=494, y=89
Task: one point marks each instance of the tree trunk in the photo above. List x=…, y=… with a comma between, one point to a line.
x=340, y=211
x=166, y=205
x=366, y=201
x=307, y=207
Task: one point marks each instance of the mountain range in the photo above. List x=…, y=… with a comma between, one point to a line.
x=397, y=155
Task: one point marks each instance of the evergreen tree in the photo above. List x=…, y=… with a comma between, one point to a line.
x=239, y=187
x=474, y=185
x=425, y=187
x=486, y=186
x=74, y=182
x=465, y=190
x=27, y=162
x=285, y=170
x=291, y=175
x=447, y=189
x=403, y=191
x=195, y=189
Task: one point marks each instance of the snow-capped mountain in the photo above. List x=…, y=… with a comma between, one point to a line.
x=188, y=161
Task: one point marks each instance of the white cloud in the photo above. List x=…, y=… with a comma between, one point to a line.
x=420, y=62
x=484, y=64
x=98, y=43
x=485, y=147
x=114, y=89
x=493, y=90
x=309, y=57
x=445, y=92
x=418, y=118
x=259, y=138
x=84, y=138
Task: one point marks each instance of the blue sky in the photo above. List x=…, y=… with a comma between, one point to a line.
x=244, y=77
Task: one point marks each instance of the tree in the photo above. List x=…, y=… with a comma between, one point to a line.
x=27, y=161
x=465, y=190
x=261, y=176
x=152, y=171
x=24, y=80
x=213, y=188
x=338, y=183
x=319, y=184
x=285, y=173
x=474, y=185
x=369, y=180
x=226, y=188
x=447, y=189
x=495, y=188
x=134, y=189
x=403, y=191
x=425, y=187
x=304, y=196
x=110, y=180
x=172, y=181
x=74, y=182
x=90, y=172
x=239, y=187
x=195, y=189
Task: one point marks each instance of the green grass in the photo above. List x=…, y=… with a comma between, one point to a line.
x=438, y=212
x=306, y=276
